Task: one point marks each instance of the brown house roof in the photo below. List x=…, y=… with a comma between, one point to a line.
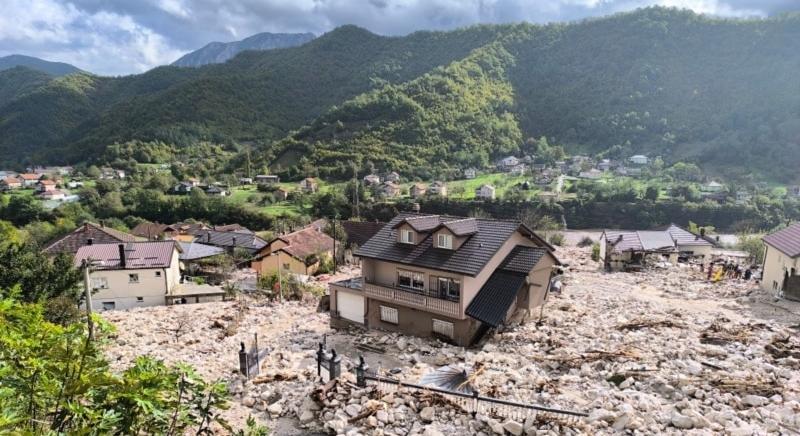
x=30, y=176
x=303, y=243
x=786, y=241
x=359, y=232
x=138, y=255
x=149, y=230
x=71, y=242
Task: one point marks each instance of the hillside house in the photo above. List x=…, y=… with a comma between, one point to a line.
x=604, y=165
x=450, y=277
x=392, y=177
x=53, y=195
x=518, y=170
x=712, y=186
x=781, y=266
x=111, y=173
x=183, y=188
x=470, y=173
x=86, y=234
x=390, y=189
x=507, y=163
x=438, y=188
x=627, y=249
x=281, y=194
x=371, y=179
x=153, y=231
x=10, y=183
x=29, y=179
x=46, y=185
x=267, y=179
x=245, y=180
x=216, y=191
x=592, y=174
x=485, y=192
x=538, y=168
x=299, y=252
x=639, y=159
x=417, y=190
x=309, y=185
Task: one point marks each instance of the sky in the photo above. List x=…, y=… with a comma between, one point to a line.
x=117, y=37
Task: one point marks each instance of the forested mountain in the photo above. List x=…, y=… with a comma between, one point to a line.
x=16, y=81
x=52, y=68
x=722, y=93
x=219, y=52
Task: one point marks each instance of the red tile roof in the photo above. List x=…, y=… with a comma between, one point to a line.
x=138, y=255
x=71, y=242
x=30, y=176
x=786, y=241
x=305, y=242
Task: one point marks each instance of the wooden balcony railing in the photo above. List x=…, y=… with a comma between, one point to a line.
x=406, y=298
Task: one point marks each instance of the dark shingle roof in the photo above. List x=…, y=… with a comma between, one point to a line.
x=469, y=258
x=685, y=237
x=494, y=299
x=522, y=259
x=786, y=240
x=246, y=241
x=359, y=232
x=461, y=227
x=196, y=250
x=71, y=242
x=420, y=223
x=149, y=230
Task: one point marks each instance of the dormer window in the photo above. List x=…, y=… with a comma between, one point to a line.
x=444, y=240
x=406, y=236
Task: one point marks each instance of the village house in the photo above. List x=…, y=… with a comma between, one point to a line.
x=357, y=233
x=518, y=170
x=438, y=188
x=216, y=191
x=184, y=187
x=232, y=228
x=507, y=163
x=743, y=197
x=72, y=184
x=309, y=185
x=390, y=189
x=111, y=173
x=196, y=259
x=153, y=231
x=450, y=277
x=793, y=191
x=631, y=249
x=780, y=267
x=53, y=195
x=392, y=177
x=485, y=192
x=29, y=179
x=45, y=185
x=417, y=190
x=470, y=173
x=10, y=183
x=538, y=167
x=639, y=159
x=86, y=234
x=712, y=186
x=281, y=194
x=371, y=179
x=299, y=252
x=592, y=174
x=265, y=179
x=604, y=165
x=245, y=180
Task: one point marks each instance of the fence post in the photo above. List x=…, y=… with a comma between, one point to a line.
x=334, y=365
x=258, y=363
x=243, y=367
x=320, y=356
x=361, y=372
x=475, y=402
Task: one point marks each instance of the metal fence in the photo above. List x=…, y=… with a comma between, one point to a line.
x=470, y=403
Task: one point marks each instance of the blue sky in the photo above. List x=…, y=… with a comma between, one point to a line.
x=115, y=37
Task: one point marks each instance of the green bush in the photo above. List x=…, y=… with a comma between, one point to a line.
x=585, y=242
x=596, y=252
x=557, y=238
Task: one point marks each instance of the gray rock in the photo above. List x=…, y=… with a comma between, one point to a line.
x=681, y=421
x=754, y=400
x=352, y=409
x=427, y=414
x=513, y=427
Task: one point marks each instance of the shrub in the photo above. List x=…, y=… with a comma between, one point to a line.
x=557, y=238
x=596, y=252
x=585, y=242
x=753, y=246
x=61, y=310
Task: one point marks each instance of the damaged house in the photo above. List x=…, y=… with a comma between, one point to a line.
x=632, y=249
x=450, y=277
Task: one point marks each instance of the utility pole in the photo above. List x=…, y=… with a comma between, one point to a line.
x=248, y=162
x=334, y=244
x=355, y=191
x=87, y=264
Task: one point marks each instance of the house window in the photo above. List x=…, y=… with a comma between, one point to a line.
x=444, y=241
x=443, y=328
x=99, y=283
x=406, y=236
x=109, y=305
x=133, y=278
x=158, y=273
x=774, y=285
x=389, y=314
x=140, y=299
x=448, y=288
x=410, y=279
x=286, y=266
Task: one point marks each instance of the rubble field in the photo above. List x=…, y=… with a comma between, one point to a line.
x=658, y=352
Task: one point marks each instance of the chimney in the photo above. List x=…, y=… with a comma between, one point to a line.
x=90, y=241
x=122, y=262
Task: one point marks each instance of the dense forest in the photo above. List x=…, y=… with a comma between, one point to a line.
x=721, y=93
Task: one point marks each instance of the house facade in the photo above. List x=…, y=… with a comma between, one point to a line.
x=781, y=265
x=9, y=183
x=298, y=252
x=485, y=192
x=639, y=159
x=371, y=179
x=451, y=277
x=134, y=274
x=417, y=190
x=266, y=179
x=623, y=249
x=470, y=173
x=438, y=188
x=309, y=184
x=86, y=234
x=390, y=189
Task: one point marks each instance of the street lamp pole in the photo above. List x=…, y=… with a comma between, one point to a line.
x=87, y=264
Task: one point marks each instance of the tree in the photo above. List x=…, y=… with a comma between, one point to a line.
x=21, y=210
x=40, y=277
x=651, y=193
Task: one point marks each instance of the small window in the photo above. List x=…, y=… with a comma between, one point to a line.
x=409, y=279
x=285, y=266
x=389, y=314
x=99, y=283
x=109, y=305
x=406, y=236
x=133, y=278
x=448, y=288
x=140, y=299
x=443, y=328
x=158, y=273
x=444, y=241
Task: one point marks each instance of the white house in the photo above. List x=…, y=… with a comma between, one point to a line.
x=372, y=179
x=592, y=174
x=485, y=192
x=132, y=274
x=508, y=162
x=712, y=186
x=438, y=188
x=470, y=173
x=639, y=159
x=780, y=269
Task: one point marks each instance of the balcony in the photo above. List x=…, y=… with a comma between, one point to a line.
x=424, y=302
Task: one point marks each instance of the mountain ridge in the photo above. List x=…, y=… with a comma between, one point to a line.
x=220, y=52
x=49, y=67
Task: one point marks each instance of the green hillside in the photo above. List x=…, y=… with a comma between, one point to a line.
x=17, y=81
x=722, y=93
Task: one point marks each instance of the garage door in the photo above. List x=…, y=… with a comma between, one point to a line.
x=351, y=306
